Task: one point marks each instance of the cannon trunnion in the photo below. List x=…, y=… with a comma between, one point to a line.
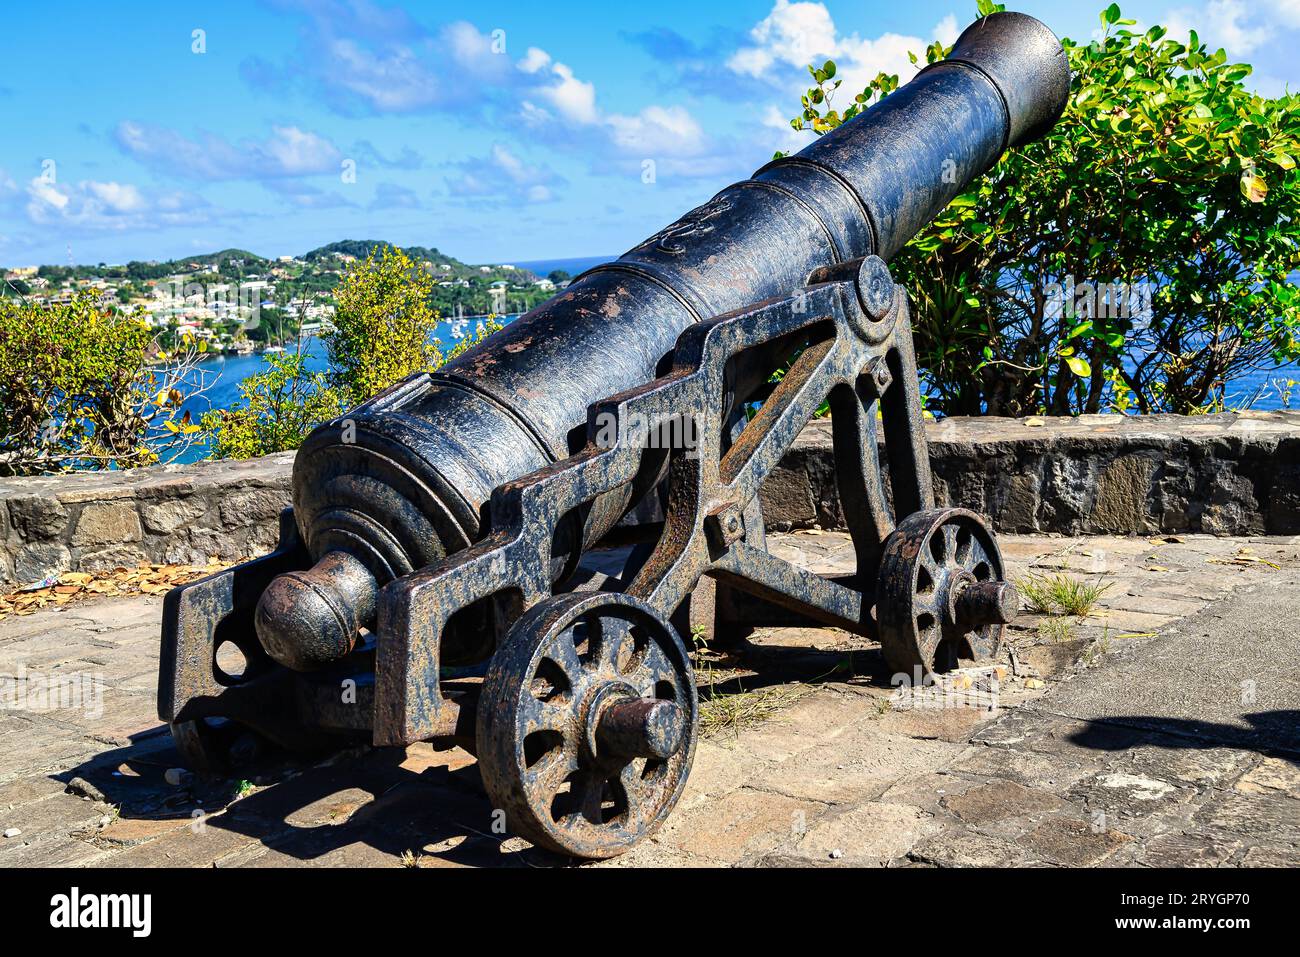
x=430, y=583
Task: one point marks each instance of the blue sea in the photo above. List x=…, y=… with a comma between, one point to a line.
x=573, y=266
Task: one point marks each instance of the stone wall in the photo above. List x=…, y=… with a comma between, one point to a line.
x=173, y=514
x=1229, y=474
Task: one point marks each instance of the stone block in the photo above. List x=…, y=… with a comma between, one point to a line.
x=253, y=506
x=39, y=560
x=1018, y=511
x=871, y=834
x=1123, y=488
x=37, y=517
x=111, y=558
x=165, y=517
x=108, y=523
x=1073, y=843
x=999, y=800
x=787, y=499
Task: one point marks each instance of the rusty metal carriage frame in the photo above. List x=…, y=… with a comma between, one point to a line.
x=857, y=361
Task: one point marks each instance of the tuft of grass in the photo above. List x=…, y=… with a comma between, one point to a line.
x=1047, y=594
x=731, y=712
x=410, y=858
x=1055, y=629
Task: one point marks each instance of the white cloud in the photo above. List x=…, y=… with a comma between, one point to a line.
x=394, y=81
x=363, y=58
x=117, y=197
x=946, y=31
x=657, y=131
x=572, y=98
x=109, y=206
x=534, y=60
x=1230, y=24
x=1288, y=11
x=287, y=152
x=503, y=175
x=794, y=35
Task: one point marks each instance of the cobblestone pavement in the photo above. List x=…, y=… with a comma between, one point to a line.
x=1164, y=729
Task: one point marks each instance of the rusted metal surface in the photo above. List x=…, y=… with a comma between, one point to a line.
x=438, y=528
x=941, y=595
x=587, y=724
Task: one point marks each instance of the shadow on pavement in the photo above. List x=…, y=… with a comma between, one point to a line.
x=1275, y=733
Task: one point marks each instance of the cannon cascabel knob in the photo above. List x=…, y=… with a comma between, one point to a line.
x=306, y=620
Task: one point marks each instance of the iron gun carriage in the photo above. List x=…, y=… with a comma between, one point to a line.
x=429, y=582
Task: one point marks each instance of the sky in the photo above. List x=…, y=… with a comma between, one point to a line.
x=494, y=131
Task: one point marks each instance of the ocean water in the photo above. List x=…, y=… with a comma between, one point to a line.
x=572, y=266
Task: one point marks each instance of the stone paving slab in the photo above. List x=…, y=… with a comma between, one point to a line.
x=846, y=773
x=1229, y=674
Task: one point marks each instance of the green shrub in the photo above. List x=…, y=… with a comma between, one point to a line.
x=383, y=325
x=1167, y=178
x=278, y=409
x=78, y=390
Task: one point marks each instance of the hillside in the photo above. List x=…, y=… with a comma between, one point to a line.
x=361, y=248
x=243, y=261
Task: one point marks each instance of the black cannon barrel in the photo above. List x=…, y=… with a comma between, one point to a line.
x=404, y=479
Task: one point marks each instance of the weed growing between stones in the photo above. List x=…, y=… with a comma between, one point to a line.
x=1061, y=594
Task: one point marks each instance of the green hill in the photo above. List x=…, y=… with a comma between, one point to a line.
x=361, y=248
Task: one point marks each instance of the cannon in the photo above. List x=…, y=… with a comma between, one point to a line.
x=433, y=583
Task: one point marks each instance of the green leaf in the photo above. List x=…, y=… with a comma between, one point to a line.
x=1111, y=14
x=1253, y=186
x=1079, y=366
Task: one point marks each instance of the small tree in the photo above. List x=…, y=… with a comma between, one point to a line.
x=278, y=409
x=85, y=387
x=382, y=332
x=1136, y=257
x=383, y=324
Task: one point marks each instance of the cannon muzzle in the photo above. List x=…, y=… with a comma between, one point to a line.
x=402, y=481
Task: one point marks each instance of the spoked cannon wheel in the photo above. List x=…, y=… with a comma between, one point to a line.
x=587, y=723
x=942, y=597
